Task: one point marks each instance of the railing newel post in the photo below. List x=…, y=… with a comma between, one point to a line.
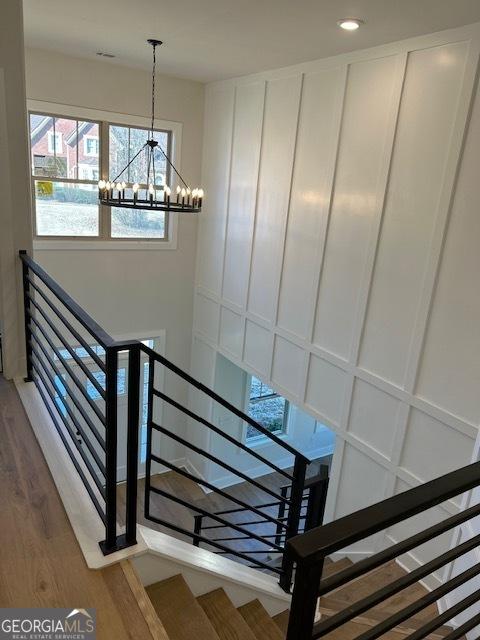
x=304, y=600
x=132, y=443
x=28, y=333
x=293, y=519
x=197, y=529
x=281, y=514
x=148, y=460
x=111, y=373
x=317, y=498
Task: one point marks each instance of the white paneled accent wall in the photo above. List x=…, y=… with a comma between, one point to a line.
x=338, y=255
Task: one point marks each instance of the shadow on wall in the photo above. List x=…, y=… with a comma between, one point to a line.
x=271, y=410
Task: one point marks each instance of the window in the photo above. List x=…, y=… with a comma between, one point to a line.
x=91, y=146
x=124, y=144
x=67, y=160
x=66, y=203
x=267, y=408
x=100, y=378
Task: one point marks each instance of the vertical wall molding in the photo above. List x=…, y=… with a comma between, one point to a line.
x=443, y=213
x=408, y=425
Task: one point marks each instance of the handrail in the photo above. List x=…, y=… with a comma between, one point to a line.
x=227, y=405
x=320, y=542
x=396, y=550
x=67, y=301
x=106, y=340
x=216, y=460
x=49, y=337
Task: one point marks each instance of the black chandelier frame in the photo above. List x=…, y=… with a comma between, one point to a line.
x=115, y=193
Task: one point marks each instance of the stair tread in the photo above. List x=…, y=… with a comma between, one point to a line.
x=226, y=620
x=328, y=608
x=281, y=620
x=352, y=630
x=361, y=587
x=260, y=622
x=331, y=568
x=179, y=611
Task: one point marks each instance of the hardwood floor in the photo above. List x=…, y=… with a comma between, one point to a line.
x=41, y=562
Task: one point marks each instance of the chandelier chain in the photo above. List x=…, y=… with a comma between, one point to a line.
x=153, y=87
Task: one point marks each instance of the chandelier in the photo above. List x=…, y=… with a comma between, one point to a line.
x=149, y=195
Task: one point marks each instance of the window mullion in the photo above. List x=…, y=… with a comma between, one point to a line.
x=105, y=212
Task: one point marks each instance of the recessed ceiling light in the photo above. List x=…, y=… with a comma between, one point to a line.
x=350, y=24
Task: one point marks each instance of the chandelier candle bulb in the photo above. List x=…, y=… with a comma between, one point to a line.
x=135, y=192
x=183, y=193
x=178, y=194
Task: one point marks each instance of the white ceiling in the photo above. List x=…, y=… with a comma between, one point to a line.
x=214, y=39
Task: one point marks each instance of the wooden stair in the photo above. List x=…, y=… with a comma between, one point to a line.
x=213, y=616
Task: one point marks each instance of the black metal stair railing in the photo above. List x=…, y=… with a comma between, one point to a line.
x=62, y=341
x=311, y=515
x=58, y=334
x=287, y=500
x=309, y=551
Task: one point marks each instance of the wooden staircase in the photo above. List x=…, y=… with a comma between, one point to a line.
x=213, y=616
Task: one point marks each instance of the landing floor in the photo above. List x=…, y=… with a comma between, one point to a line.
x=41, y=564
x=175, y=484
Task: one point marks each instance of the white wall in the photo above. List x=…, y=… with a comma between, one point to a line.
x=129, y=292
x=15, y=224
x=303, y=432
x=332, y=263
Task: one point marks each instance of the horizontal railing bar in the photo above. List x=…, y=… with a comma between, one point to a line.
x=396, y=550
x=67, y=301
x=217, y=461
x=240, y=509
x=444, y=617
x=81, y=453
x=259, y=506
x=78, y=337
x=409, y=611
x=209, y=392
x=201, y=538
x=70, y=349
x=249, y=523
x=463, y=629
x=266, y=552
x=73, y=418
x=75, y=462
x=212, y=487
x=70, y=393
x=68, y=369
x=395, y=587
x=221, y=433
x=245, y=537
x=316, y=544
x=201, y=511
